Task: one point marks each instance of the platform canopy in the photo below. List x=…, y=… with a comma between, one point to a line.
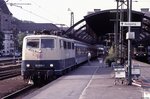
x=100, y=26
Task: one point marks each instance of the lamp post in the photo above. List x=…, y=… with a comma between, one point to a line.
x=116, y=31
x=129, y=6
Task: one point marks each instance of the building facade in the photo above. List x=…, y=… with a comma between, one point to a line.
x=11, y=26
x=7, y=27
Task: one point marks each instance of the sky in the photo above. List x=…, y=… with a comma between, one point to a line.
x=56, y=11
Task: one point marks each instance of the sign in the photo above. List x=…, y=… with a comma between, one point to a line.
x=120, y=73
x=130, y=35
x=146, y=93
x=130, y=24
x=135, y=70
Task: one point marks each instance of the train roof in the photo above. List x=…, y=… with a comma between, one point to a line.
x=54, y=36
x=44, y=36
x=58, y=37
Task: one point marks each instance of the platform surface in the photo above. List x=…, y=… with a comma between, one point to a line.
x=90, y=81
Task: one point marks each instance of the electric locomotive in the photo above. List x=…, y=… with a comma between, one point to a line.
x=140, y=53
x=44, y=56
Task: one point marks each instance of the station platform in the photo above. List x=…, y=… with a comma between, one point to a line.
x=93, y=80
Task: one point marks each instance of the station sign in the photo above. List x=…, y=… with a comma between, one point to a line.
x=135, y=24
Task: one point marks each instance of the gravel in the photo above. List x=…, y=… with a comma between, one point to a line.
x=10, y=85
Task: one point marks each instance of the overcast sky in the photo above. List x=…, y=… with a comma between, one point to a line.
x=56, y=11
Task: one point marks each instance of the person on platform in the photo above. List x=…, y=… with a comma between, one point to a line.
x=89, y=57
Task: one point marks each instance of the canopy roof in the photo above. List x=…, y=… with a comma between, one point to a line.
x=99, y=24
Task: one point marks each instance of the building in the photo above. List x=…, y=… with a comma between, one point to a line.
x=31, y=27
x=11, y=26
x=7, y=27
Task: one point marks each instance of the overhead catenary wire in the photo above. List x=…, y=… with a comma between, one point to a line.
x=37, y=15
x=44, y=9
x=35, y=3
x=15, y=4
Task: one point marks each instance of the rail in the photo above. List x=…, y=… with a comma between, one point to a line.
x=10, y=68
x=18, y=92
x=8, y=73
x=9, y=61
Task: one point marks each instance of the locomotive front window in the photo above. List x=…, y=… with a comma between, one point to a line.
x=47, y=43
x=33, y=43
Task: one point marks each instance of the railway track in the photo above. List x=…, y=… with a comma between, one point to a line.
x=9, y=73
x=9, y=68
x=10, y=61
x=19, y=92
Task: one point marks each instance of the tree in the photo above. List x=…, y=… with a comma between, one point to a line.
x=1, y=40
x=111, y=55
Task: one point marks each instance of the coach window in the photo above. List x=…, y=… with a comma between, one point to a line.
x=34, y=43
x=61, y=43
x=72, y=45
x=69, y=45
x=47, y=43
x=65, y=45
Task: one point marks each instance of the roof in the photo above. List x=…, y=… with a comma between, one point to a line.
x=36, y=26
x=101, y=23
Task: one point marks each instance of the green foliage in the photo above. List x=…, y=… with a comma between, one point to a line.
x=111, y=55
x=1, y=40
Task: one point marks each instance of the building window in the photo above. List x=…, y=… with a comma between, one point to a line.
x=11, y=37
x=11, y=45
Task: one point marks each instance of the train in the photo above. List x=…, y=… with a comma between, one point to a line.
x=46, y=56
x=140, y=53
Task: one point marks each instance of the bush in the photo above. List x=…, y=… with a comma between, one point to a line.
x=111, y=56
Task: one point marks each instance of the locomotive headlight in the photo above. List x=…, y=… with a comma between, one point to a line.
x=144, y=54
x=28, y=65
x=51, y=65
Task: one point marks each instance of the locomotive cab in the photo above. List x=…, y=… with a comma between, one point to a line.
x=34, y=64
